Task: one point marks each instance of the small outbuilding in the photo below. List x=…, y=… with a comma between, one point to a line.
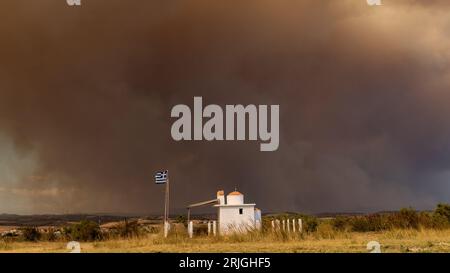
x=233, y=214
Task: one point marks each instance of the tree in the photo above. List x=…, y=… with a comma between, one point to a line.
x=84, y=231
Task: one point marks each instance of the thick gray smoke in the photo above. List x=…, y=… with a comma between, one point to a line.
x=86, y=94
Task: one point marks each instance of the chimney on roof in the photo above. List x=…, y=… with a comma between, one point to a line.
x=221, y=197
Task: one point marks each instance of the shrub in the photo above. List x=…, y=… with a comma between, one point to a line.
x=426, y=220
x=84, y=231
x=310, y=224
x=340, y=223
x=443, y=211
x=406, y=218
x=31, y=234
x=372, y=222
x=326, y=230
x=51, y=235
x=182, y=219
x=439, y=221
x=267, y=224
x=202, y=229
x=128, y=229
x=360, y=224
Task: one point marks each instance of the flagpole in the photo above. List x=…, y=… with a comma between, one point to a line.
x=166, y=207
x=168, y=199
x=162, y=177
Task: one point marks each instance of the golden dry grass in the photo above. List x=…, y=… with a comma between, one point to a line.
x=321, y=241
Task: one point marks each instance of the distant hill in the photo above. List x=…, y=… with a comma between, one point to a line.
x=63, y=219
x=55, y=220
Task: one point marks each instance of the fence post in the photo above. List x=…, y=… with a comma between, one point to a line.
x=214, y=227
x=278, y=224
x=288, y=225
x=209, y=228
x=293, y=225
x=300, y=225
x=273, y=226
x=284, y=225
x=191, y=229
x=166, y=229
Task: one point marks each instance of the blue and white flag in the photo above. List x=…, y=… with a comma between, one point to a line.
x=161, y=177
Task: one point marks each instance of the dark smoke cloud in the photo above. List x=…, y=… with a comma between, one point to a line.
x=86, y=93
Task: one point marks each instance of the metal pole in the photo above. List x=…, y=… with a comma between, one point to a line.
x=168, y=199
x=165, y=206
x=166, y=209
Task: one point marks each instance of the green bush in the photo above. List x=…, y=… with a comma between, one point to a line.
x=372, y=222
x=439, y=222
x=443, y=210
x=31, y=234
x=407, y=218
x=426, y=220
x=360, y=224
x=128, y=229
x=341, y=223
x=310, y=224
x=84, y=231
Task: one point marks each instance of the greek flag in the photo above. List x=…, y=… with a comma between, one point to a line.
x=161, y=177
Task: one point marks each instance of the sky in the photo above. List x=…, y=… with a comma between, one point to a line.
x=86, y=94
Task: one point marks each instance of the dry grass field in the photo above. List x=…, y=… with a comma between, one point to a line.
x=424, y=240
